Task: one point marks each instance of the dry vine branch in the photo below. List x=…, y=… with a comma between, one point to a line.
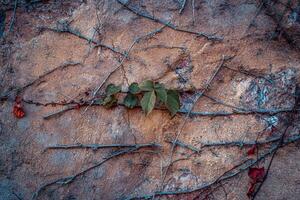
x=182, y=6
x=236, y=170
x=249, y=73
x=37, y=80
x=243, y=111
x=255, y=16
x=237, y=112
x=70, y=179
x=13, y=17
x=281, y=141
x=197, y=96
x=183, y=145
x=193, y=10
x=65, y=28
x=11, y=6
x=231, y=143
x=137, y=40
x=97, y=146
x=165, y=47
x=168, y=24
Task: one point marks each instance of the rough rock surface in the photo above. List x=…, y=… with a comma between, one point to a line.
x=59, y=66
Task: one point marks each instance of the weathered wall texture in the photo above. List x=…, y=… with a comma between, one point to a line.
x=262, y=74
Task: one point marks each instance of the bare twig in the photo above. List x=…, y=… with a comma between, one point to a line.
x=70, y=179
x=183, y=145
x=10, y=6
x=13, y=17
x=249, y=143
x=164, y=46
x=249, y=73
x=237, y=112
x=236, y=170
x=198, y=95
x=193, y=10
x=59, y=112
x=230, y=143
x=65, y=28
x=280, y=143
x=97, y=146
x=243, y=111
x=137, y=40
x=254, y=17
x=218, y=101
x=182, y=6
x=39, y=79
x=168, y=24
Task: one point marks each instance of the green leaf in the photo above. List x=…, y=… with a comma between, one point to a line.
x=130, y=101
x=112, y=89
x=98, y=101
x=173, y=102
x=161, y=92
x=110, y=101
x=134, y=88
x=147, y=85
x=148, y=102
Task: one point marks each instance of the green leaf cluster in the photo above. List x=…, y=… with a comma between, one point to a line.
x=110, y=99
x=147, y=93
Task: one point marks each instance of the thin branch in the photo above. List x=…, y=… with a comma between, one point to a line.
x=183, y=145
x=193, y=10
x=197, y=96
x=59, y=112
x=11, y=6
x=236, y=170
x=148, y=35
x=249, y=73
x=259, y=9
x=249, y=143
x=97, y=146
x=164, y=46
x=182, y=7
x=137, y=40
x=229, y=143
x=65, y=28
x=75, y=105
x=218, y=101
x=70, y=179
x=38, y=79
x=281, y=141
x=237, y=112
x=168, y=24
x=13, y=17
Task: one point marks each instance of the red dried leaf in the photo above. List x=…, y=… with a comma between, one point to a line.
x=77, y=107
x=251, y=190
x=18, y=111
x=251, y=151
x=18, y=100
x=256, y=174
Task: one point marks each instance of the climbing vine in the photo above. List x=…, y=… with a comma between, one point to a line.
x=147, y=94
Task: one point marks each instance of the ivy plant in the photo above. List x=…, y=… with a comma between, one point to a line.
x=146, y=94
